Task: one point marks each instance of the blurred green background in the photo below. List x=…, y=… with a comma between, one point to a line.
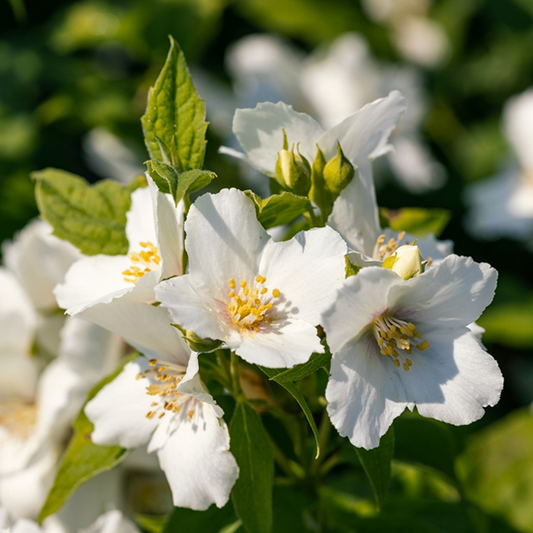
x=70, y=67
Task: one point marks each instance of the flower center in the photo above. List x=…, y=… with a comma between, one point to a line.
x=396, y=338
x=167, y=377
x=250, y=305
x=145, y=261
x=18, y=418
x=383, y=249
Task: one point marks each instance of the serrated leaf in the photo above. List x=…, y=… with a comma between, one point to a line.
x=91, y=217
x=279, y=209
x=165, y=177
x=83, y=459
x=175, y=115
x=377, y=465
x=417, y=220
x=252, y=492
x=298, y=396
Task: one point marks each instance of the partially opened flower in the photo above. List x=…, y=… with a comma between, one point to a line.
x=403, y=344
x=262, y=298
x=162, y=402
x=355, y=216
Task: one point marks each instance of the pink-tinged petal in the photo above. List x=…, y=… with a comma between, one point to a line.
x=140, y=225
x=307, y=270
x=361, y=300
x=224, y=240
x=365, y=134
x=260, y=133
x=169, y=224
x=454, y=379
x=453, y=293
x=91, y=280
x=194, y=308
x=119, y=410
x=355, y=215
x=196, y=458
x=283, y=345
x=364, y=393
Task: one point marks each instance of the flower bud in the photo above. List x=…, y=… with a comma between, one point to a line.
x=338, y=172
x=197, y=344
x=319, y=192
x=293, y=171
x=406, y=261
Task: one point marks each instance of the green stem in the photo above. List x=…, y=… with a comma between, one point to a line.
x=224, y=368
x=292, y=469
x=236, y=382
x=315, y=222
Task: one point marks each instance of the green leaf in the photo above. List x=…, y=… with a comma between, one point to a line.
x=417, y=220
x=299, y=397
x=377, y=465
x=91, y=217
x=278, y=209
x=351, y=269
x=193, y=180
x=212, y=520
x=175, y=115
x=164, y=176
x=252, y=493
x=425, y=441
x=497, y=469
x=316, y=361
x=83, y=459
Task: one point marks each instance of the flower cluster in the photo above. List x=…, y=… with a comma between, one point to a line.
x=211, y=301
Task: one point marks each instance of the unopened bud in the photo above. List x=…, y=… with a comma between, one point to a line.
x=293, y=171
x=407, y=261
x=197, y=344
x=319, y=192
x=338, y=172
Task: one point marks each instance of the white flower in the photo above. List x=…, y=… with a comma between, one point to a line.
x=502, y=206
x=363, y=136
x=163, y=402
x=262, y=298
x=107, y=290
x=334, y=82
x=403, y=344
x=355, y=216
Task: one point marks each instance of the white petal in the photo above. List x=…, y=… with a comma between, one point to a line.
x=259, y=132
x=25, y=526
x=279, y=346
x=169, y=222
x=92, y=280
x=361, y=300
x=119, y=410
x=454, y=379
x=452, y=293
x=196, y=459
x=365, y=134
x=223, y=240
x=111, y=522
x=191, y=384
x=307, y=270
x=18, y=377
x=40, y=261
x=517, y=123
x=140, y=225
x=355, y=215
x=364, y=394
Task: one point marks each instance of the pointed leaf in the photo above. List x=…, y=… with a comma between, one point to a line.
x=279, y=209
x=193, y=180
x=376, y=464
x=175, y=115
x=299, y=397
x=83, y=459
x=252, y=493
x=92, y=217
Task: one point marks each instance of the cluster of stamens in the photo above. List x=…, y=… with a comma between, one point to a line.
x=18, y=418
x=168, y=377
x=250, y=306
x=396, y=338
x=143, y=262
x=383, y=249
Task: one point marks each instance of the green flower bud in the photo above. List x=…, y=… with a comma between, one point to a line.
x=407, y=261
x=338, y=172
x=293, y=171
x=197, y=344
x=319, y=192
